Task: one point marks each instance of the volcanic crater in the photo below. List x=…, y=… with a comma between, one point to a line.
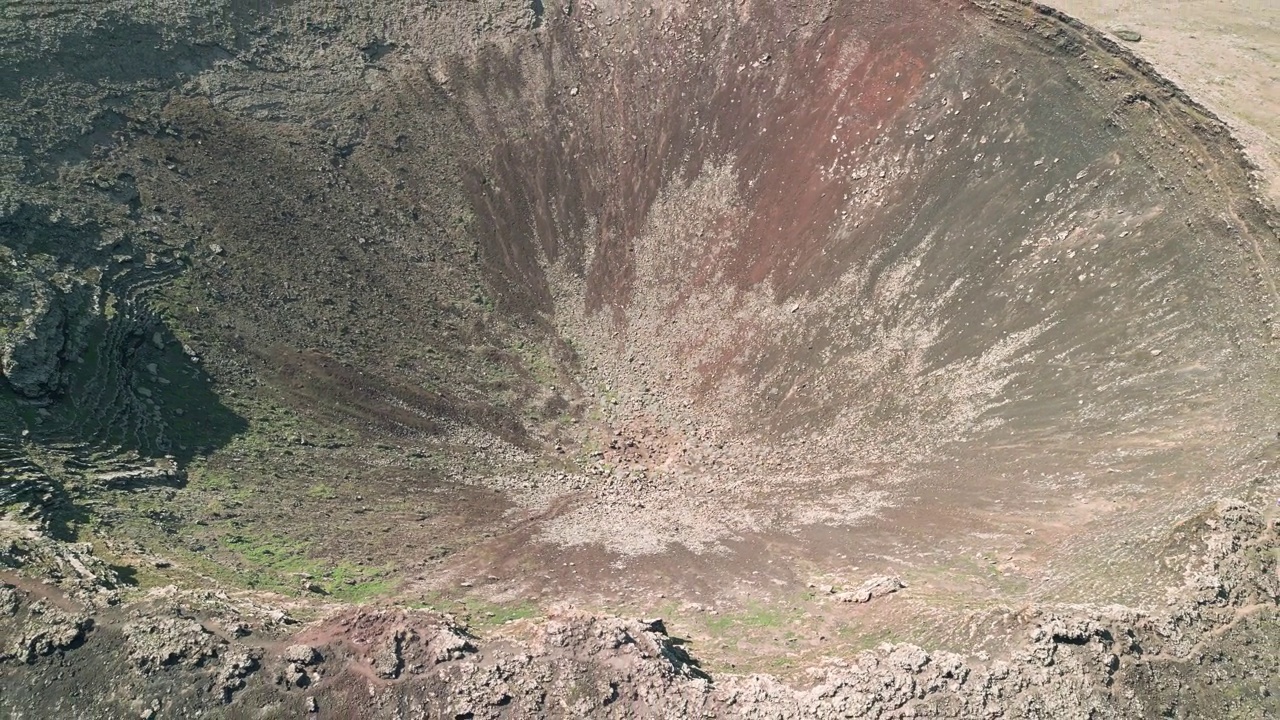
x=804, y=326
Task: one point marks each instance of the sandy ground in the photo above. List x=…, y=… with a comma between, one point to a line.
x=1226, y=53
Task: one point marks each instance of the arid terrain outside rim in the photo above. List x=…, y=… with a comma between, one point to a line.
x=487, y=359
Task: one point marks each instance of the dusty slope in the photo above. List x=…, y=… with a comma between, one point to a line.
x=645, y=309
x=1226, y=54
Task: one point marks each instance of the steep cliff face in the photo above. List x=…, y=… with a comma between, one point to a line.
x=35, y=340
x=45, y=331
x=801, y=324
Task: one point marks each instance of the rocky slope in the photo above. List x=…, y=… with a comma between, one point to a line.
x=802, y=326
x=1208, y=651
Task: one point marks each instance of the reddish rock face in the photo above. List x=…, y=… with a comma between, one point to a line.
x=963, y=248
x=781, y=95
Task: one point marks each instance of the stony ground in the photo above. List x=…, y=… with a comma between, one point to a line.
x=910, y=360
x=1209, y=651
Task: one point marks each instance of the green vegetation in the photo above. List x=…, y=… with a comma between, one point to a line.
x=537, y=360
x=485, y=614
x=280, y=564
x=321, y=491
x=755, y=616
x=478, y=613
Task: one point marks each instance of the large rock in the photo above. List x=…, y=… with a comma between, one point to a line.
x=301, y=655
x=30, y=356
x=878, y=586
x=43, y=319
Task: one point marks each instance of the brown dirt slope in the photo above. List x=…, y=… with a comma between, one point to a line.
x=1226, y=54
